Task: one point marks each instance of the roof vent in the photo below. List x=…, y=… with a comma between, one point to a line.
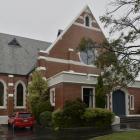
x=59, y=32
x=14, y=42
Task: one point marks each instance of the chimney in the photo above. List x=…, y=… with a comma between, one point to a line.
x=59, y=32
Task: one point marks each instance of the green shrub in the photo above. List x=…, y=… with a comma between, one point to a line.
x=98, y=118
x=41, y=107
x=70, y=116
x=58, y=119
x=73, y=111
x=45, y=118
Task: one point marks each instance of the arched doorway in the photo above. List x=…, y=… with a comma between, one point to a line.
x=119, y=103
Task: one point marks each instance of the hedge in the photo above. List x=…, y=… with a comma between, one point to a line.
x=74, y=114
x=98, y=117
x=45, y=118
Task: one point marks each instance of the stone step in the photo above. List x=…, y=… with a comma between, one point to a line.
x=3, y=119
x=128, y=119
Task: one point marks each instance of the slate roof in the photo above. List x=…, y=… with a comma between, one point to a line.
x=18, y=55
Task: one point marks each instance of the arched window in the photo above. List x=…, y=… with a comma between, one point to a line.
x=20, y=94
x=87, y=21
x=1, y=94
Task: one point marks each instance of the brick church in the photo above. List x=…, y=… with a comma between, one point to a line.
x=68, y=73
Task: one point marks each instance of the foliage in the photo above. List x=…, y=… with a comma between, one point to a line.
x=115, y=72
x=38, y=87
x=100, y=91
x=98, y=118
x=58, y=119
x=74, y=114
x=45, y=118
x=86, y=44
x=38, y=95
x=73, y=111
x=126, y=23
x=70, y=116
x=42, y=107
x=88, y=47
x=124, y=48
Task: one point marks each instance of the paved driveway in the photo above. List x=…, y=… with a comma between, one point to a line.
x=40, y=133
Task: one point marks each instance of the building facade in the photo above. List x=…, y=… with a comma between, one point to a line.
x=71, y=74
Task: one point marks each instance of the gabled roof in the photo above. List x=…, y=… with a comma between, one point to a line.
x=18, y=55
x=86, y=8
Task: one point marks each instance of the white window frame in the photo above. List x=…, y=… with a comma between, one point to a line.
x=24, y=95
x=52, y=96
x=131, y=102
x=93, y=94
x=5, y=95
x=107, y=101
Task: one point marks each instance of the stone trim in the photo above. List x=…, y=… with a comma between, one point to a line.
x=92, y=28
x=72, y=77
x=58, y=60
x=93, y=94
x=5, y=94
x=126, y=100
x=24, y=95
x=52, y=96
x=10, y=84
x=132, y=102
x=10, y=76
x=41, y=68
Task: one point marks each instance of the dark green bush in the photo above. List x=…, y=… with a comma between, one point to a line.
x=58, y=119
x=73, y=111
x=41, y=107
x=98, y=118
x=70, y=116
x=45, y=118
x=74, y=114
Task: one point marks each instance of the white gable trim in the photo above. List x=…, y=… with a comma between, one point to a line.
x=58, y=60
x=61, y=35
x=92, y=28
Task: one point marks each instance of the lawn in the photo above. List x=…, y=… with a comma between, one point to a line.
x=131, y=135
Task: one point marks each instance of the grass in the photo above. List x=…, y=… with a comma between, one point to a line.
x=131, y=135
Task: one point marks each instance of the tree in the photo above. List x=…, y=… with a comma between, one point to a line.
x=100, y=91
x=124, y=20
x=115, y=72
x=38, y=95
x=38, y=89
x=120, y=60
x=87, y=47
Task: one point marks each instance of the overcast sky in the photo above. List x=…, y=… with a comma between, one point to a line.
x=41, y=19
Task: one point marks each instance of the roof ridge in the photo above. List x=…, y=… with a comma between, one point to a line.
x=25, y=37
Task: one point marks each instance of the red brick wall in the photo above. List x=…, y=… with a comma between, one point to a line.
x=72, y=38
x=11, y=90
x=136, y=93
x=67, y=91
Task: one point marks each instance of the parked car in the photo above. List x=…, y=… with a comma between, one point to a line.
x=21, y=120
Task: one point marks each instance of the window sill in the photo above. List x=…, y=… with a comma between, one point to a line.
x=3, y=107
x=132, y=109
x=20, y=107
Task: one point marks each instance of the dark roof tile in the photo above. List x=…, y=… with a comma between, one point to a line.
x=19, y=60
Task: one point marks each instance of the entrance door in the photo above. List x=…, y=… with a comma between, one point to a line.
x=118, y=102
x=88, y=96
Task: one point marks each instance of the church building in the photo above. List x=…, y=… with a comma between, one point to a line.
x=67, y=70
